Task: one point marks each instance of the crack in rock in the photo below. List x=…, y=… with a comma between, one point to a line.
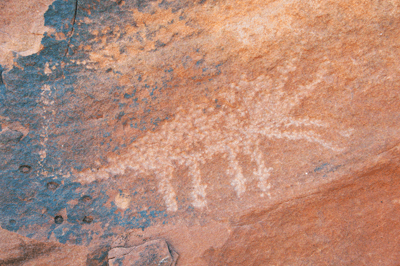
x=73, y=28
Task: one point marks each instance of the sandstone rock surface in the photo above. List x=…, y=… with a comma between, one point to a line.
x=18, y=250
x=22, y=28
x=151, y=253
x=241, y=132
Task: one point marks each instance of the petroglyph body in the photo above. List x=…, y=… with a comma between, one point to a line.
x=250, y=111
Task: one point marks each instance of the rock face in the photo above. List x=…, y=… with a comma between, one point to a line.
x=152, y=253
x=7, y=136
x=18, y=250
x=22, y=28
x=241, y=132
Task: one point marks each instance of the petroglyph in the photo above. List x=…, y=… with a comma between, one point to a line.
x=250, y=112
x=47, y=111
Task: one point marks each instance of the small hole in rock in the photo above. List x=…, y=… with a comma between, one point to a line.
x=109, y=70
x=12, y=222
x=58, y=219
x=88, y=219
x=25, y=169
x=52, y=186
x=86, y=198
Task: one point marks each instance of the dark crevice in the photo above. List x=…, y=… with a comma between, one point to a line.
x=73, y=28
x=1, y=75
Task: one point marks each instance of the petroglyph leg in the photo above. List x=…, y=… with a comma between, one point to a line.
x=235, y=170
x=199, y=190
x=262, y=173
x=166, y=189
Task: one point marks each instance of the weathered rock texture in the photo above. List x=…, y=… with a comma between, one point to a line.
x=151, y=253
x=241, y=132
x=18, y=250
x=22, y=28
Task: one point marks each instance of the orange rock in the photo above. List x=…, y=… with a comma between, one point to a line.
x=21, y=28
x=18, y=250
x=266, y=132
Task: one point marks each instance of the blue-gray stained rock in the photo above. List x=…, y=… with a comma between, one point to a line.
x=10, y=136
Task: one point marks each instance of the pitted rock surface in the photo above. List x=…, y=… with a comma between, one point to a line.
x=241, y=132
